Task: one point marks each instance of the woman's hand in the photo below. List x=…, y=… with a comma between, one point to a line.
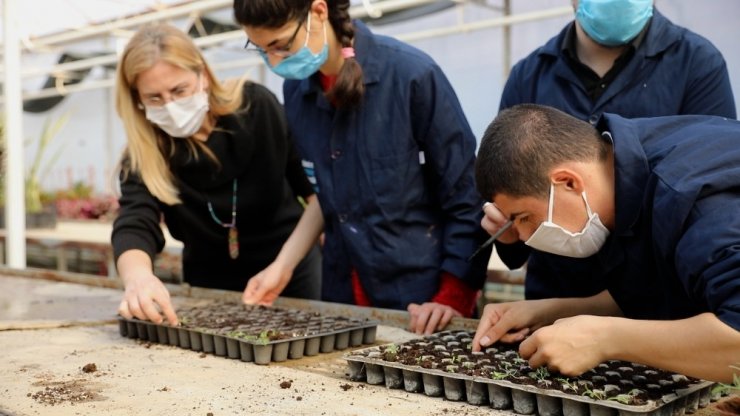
x=145, y=296
x=266, y=286
x=430, y=317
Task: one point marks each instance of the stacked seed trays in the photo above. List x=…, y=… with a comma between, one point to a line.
x=256, y=334
x=444, y=365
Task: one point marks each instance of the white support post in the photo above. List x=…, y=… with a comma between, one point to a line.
x=15, y=206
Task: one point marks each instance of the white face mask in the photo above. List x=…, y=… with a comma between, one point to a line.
x=552, y=238
x=182, y=117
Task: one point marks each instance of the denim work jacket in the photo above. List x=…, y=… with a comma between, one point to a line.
x=395, y=178
x=674, y=250
x=673, y=71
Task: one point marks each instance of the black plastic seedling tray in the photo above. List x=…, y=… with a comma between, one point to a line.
x=254, y=333
x=443, y=365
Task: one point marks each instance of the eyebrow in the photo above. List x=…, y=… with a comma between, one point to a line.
x=283, y=38
x=174, y=87
x=513, y=215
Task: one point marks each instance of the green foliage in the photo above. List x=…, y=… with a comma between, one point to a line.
x=37, y=172
x=540, y=374
x=568, y=384
x=626, y=398
x=594, y=394
x=264, y=337
x=734, y=387
x=508, y=371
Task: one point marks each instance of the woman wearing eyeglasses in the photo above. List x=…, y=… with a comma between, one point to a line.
x=217, y=163
x=382, y=130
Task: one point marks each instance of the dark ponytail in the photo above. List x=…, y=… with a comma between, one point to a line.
x=349, y=89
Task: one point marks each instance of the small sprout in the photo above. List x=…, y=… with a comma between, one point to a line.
x=540, y=374
x=567, y=384
x=626, y=398
x=595, y=394
x=264, y=337
x=734, y=387
x=499, y=375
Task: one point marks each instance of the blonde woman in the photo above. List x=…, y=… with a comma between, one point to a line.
x=217, y=164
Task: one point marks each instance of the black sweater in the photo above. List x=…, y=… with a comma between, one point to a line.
x=252, y=145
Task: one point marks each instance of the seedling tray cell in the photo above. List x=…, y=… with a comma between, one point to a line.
x=443, y=365
x=256, y=334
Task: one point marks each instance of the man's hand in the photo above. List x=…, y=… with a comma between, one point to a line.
x=493, y=220
x=570, y=346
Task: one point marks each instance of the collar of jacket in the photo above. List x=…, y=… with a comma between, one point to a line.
x=660, y=36
x=631, y=170
x=366, y=55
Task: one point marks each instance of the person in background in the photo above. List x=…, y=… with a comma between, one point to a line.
x=382, y=130
x=217, y=163
x=617, y=56
x=650, y=204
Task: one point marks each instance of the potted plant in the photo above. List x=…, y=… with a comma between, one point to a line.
x=38, y=214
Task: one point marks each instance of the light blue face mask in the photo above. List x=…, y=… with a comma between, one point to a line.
x=613, y=22
x=303, y=63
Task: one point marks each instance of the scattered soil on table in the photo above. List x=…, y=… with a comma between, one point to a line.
x=58, y=392
x=450, y=351
x=730, y=406
x=345, y=387
x=286, y=384
x=89, y=368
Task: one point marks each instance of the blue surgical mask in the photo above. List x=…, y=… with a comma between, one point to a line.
x=303, y=63
x=613, y=22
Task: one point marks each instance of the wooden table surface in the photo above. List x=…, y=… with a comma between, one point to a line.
x=51, y=330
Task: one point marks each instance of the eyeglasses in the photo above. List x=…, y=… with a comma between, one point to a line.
x=281, y=52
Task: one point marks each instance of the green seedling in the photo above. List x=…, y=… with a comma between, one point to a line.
x=264, y=337
x=734, y=387
x=567, y=384
x=594, y=394
x=626, y=398
x=541, y=375
x=501, y=375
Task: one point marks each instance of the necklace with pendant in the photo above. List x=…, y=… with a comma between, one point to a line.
x=233, y=233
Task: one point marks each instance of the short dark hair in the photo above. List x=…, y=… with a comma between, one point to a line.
x=525, y=142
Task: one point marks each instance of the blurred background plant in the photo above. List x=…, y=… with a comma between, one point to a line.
x=81, y=203
x=77, y=202
x=40, y=167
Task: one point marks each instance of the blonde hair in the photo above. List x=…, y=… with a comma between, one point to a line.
x=145, y=149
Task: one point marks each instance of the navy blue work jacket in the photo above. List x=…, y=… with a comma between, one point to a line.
x=675, y=249
x=673, y=71
x=394, y=178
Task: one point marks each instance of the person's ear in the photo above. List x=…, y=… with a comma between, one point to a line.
x=206, y=81
x=321, y=9
x=567, y=178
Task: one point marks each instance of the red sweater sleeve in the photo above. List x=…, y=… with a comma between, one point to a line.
x=455, y=293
